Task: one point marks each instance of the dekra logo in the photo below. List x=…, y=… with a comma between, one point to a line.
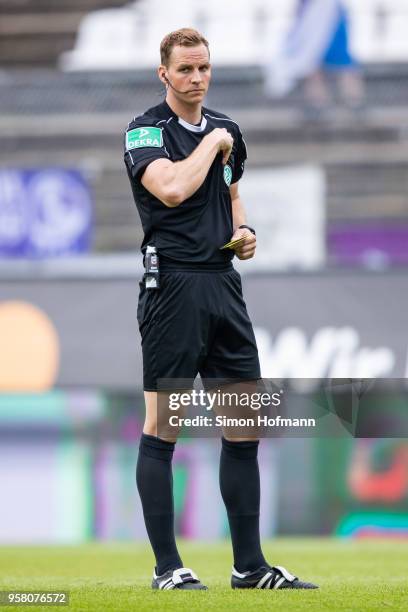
x=144, y=137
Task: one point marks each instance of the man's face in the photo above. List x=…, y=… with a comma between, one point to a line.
x=189, y=72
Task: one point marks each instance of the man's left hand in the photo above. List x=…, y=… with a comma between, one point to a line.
x=245, y=250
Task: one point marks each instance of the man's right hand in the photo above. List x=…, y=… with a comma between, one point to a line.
x=224, y=141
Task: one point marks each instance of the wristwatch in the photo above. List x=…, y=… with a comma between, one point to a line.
x=251, y=229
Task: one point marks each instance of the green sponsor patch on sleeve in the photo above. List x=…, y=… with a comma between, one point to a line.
x=144, y=137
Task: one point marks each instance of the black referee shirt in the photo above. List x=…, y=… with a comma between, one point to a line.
x=194, y=231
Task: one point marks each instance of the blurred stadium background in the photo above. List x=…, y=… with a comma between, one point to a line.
x=327, y=189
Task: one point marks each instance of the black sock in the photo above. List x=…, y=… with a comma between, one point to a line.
x=240, y=490
x=155, y=484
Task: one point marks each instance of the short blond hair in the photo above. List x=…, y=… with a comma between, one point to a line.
x=185, y=37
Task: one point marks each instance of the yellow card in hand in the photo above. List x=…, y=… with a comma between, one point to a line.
x=233, y=243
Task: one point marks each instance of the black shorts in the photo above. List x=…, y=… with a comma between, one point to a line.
x=197, y=322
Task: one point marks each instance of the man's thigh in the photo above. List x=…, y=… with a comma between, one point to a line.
x=233, y=353
x=175, y=328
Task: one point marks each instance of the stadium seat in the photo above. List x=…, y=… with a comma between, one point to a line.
x=240, y=32
x=128, y=37
x=378, y=29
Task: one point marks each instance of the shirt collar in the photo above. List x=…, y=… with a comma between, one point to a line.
x=188, y=126
x=194, y=128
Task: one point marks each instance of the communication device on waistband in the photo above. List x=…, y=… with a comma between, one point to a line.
x=152, y=268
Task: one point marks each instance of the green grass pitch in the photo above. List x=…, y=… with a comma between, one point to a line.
x=353, y=576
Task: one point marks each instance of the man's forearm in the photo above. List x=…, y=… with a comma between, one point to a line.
x=244, y=250
x=174, y=182
x=238, y=213
x=190, y=173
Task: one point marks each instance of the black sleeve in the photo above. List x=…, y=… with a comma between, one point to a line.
x=240, y=158
x=143, y=144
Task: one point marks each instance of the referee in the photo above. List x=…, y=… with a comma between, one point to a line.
x=184, y=162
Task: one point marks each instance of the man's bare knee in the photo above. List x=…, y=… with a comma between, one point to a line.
x=156, y=420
